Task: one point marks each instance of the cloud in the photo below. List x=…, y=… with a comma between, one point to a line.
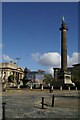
x=53, y=59
x=74, y=59
x=36, y=56
x=47, y=59
x=50, y=70
x=6, y=58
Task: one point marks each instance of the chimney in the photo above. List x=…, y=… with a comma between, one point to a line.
x=10, y=62
x=14, y=63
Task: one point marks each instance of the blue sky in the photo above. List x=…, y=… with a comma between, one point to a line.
x=31, y=30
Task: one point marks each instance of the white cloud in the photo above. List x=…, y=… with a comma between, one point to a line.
x=47, y=59
x=50, y=70
x=35, y=56
x=74, y=59
x=6, y=58
x=53, y=59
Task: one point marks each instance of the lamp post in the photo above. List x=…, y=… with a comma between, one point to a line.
x=17, y=60
x=18, y=81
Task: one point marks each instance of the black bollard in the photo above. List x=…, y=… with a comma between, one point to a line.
x=51, y=90
x=53, y=101
x=42, y=102
x=3, y=105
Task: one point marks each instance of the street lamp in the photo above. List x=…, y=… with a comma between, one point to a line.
x=17, y=60
x=18, y=81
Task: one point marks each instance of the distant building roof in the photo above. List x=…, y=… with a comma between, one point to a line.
x=10, y=66
x=76, y=64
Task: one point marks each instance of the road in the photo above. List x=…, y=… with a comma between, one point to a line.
x=25, y=103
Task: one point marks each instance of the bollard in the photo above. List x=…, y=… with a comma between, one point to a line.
x=4, y=86
x=61, y=88
x=42, y=102
x=3, y=105
x=18, y=87
x=52, y=87
x=31, y=87
x=50, y=90
x=69, y=88
x=42, y=87
x=53, y=101
x=76, y=88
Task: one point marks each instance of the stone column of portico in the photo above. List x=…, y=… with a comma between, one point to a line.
x=0, y=74
x=15, y=78
x=19, y=76
x=6, y=77
x=11, y=72
x=18, y=81
x=63, y=30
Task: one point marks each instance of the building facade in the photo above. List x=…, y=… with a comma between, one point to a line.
x=7, y=69
x=35, y=76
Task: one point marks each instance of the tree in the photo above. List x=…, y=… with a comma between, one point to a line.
x=48, y=79
x=76, y=77
x=11, y=78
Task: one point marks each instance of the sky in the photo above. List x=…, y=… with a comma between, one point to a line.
x=30, y=31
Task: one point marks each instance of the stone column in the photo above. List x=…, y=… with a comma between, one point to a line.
x=14, y=76
x=63, y=46
x=0, y=74
x=19, y=76
x=15, y=79
x=6, y=77
x=8, y=73
x=11, y=72
x=22, y=75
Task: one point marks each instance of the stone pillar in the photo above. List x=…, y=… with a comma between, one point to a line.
x=63, y=46
x=19, y=76
x=22, y=76
x=8, y=73
x=11, y=72
x=14, y=76
x=15, y=79
x=6, y=77
x=55, y=73
x=0, y=74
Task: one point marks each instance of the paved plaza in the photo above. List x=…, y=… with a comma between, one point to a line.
x=26, y=103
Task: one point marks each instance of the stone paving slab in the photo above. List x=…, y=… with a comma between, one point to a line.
x=27, y=104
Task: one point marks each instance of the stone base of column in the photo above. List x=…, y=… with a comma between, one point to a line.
x=63, y=79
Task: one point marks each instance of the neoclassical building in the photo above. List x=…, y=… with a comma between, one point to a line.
x=7, y=69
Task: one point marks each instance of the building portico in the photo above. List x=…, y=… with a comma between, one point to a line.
x=7, y=69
